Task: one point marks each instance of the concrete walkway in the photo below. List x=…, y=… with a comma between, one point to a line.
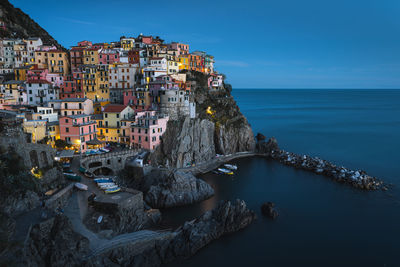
x=216, y=162
x=73, y=212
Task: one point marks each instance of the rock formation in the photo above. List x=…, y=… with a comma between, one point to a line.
x=179, y=188
x=226, y=218
x=186, y=142
x=267, y=209
x=219, y=128
x=54, y=243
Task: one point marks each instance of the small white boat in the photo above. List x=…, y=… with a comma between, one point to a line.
x=231, y=166
x=81, y=186
x=225, y=171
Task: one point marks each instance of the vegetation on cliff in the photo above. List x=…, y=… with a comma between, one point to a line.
x=20, y=25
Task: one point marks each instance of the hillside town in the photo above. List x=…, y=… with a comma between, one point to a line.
x=96, y=94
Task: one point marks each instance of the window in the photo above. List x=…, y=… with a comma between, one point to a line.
x=66, y=120
x=66, y=129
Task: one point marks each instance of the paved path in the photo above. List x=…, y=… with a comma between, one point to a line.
x=216, y=162
x=73, y=212
x=140, y=239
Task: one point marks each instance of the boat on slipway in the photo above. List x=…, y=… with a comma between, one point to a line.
x=112, y=190
x=82, y=187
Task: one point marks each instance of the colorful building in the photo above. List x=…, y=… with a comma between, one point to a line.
x=95, y=82
x=58, y=62
x=77, y=130
x=184, y=62
x=114, y=117
x=108, y=56
x=147, y=130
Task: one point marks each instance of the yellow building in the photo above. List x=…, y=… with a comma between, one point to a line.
x=127, y=43
x=91, y=56
x=53, y=132
x=13, y=91
x=113, y=126
x=21, y=72
x=95, y=83
x=37, y=128
x=41, y=59
x=184, y=62
x=58, y=62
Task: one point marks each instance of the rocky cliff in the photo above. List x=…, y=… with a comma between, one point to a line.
x=19, y=188
x=54, y=243
x=20, y=25
x=226, y=218
x=219, y=128
x=179, y=188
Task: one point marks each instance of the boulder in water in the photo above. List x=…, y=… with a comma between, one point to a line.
x=267, y=209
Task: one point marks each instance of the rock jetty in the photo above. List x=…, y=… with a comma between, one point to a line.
x=356, y=178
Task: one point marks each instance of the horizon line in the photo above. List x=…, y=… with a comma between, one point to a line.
x=258, y=88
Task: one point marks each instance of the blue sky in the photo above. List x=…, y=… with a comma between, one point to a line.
x=258, y=44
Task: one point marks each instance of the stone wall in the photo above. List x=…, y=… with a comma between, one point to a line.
x=114, y=161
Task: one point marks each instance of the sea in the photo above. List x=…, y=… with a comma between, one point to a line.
x=321, y=222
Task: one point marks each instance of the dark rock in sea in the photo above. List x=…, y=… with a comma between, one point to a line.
x=179, y=188
x=267, y=148
x=260, y=137
x=226, y=218
x=267, y=209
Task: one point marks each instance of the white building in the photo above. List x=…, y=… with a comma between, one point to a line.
x=40, y=92
x=176, y=103
x=32, y=44
x=45, y=113
x=122, y=75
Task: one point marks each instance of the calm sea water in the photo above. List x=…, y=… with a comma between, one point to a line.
x=321, y=223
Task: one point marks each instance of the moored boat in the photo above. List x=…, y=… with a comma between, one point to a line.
x=88, y=174
x=225, y=171
x=72, y=177
x=230, y=166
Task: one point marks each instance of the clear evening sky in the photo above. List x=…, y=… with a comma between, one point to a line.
x=258, y=44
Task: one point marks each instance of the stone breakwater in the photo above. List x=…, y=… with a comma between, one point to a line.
x=358, y=179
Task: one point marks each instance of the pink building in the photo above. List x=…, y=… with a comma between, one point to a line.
x=77, y=130
x=76, y=106
x=129, y=97
x=183, y=49
x=147, y=130
x=37, y=74
x=215, y=81
x=85, y=43
x=108, y=56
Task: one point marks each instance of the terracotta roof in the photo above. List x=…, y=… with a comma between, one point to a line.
x=38, y=81
x=114, y=108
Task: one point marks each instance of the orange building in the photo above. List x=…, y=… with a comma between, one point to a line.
x=196, y=63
